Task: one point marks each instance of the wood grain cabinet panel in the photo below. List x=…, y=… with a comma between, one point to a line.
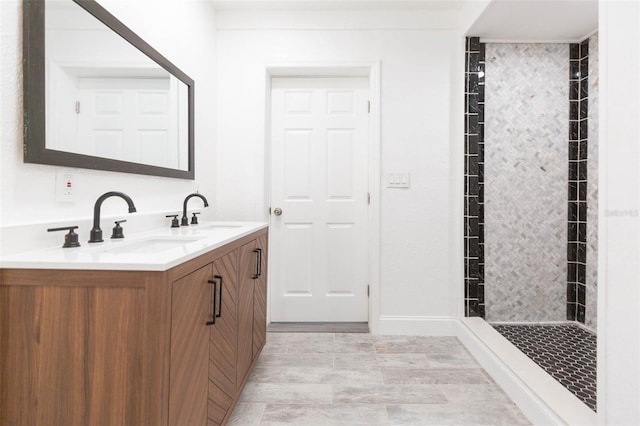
x=260, y=299
x=223, y=341
x=247, y=271
x=252, y=304
x=132, y=347
x=191, y=308
x=73, y=357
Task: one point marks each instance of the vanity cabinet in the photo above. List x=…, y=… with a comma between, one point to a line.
x=132, y=347
x=189, y=362
x=252, y=304
x=223, y=341
x=260, y=298
x=82, y=347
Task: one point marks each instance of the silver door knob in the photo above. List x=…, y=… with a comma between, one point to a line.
x=277, y=211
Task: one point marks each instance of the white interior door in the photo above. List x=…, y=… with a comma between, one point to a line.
x=127, y=119
x=319, y=171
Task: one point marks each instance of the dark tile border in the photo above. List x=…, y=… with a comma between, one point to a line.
x=474, y=178
x=577, y=185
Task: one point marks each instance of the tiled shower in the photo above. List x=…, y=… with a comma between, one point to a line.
x=531, y=201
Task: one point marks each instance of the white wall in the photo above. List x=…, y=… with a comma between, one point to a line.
x=184, y=33
x=619, y=217
x=416, y=77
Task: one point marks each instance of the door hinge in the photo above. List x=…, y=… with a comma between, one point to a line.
x=368, y=198
x=369, y=107
x=77, y=107
x=368, y=290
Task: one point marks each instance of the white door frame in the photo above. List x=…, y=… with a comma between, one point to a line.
x=371, y=70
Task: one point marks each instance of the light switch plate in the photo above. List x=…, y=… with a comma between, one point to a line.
x=397, y=180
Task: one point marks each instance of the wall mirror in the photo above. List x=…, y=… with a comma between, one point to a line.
x=97, y=96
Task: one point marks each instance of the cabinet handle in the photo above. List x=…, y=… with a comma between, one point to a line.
x=259, y=262
x=219, y=314
x=258, y=272
x=213, y=304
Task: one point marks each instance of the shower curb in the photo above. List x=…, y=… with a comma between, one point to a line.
x=541, y=398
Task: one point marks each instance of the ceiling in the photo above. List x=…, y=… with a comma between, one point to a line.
x=537, y=20
x=502, y=20
x=340, y=4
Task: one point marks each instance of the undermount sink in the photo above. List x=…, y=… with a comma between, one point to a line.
x=219, y=226
x=150, y=245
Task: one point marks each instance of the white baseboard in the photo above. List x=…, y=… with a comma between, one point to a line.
x=541, y=398
x=417, y=325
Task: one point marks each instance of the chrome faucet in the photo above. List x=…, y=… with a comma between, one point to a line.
x=96, y=232
x=185, y=219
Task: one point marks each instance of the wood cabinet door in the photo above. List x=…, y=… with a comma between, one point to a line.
x=260, y=298
x=191, y=308
x=71, y=355
x=247, y=272
x=223, y=340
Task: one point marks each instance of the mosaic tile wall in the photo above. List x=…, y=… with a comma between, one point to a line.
x=525, y=244
x=581, y=224
x=592, y=187
x=474, y=189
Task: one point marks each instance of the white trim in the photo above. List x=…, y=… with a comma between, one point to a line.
x=592, y=33
x=371, y=70
x=601, y=361
x=266, y=186
x=540, y=397
x=374, y=190
x=417, y=325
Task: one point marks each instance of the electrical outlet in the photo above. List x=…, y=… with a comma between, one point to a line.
x=68, y=185
x=65, y=187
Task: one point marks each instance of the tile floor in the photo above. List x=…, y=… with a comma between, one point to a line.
x=318, y=379
x=566, y=351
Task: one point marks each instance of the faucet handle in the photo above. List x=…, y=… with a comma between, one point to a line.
x=194, y=218
x=174, y=221
x=70, y=239
x=117, y=230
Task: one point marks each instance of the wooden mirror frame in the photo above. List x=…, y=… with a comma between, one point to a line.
x=35, y=150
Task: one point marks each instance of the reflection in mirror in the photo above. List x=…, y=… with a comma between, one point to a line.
x=105, y=98
x=98, y=96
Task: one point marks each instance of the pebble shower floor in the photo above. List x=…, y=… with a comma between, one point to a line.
x=566, y=351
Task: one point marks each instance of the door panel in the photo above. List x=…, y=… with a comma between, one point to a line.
x=319, y=180
x=223, y=342
x=71, y=355
x=111, y=111
x=298, y=250
x=298, y=160
x=247, y=270
x=260, y=299
x=190, y=310
x=339, y=167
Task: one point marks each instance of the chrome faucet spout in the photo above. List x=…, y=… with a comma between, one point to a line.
x=185, y=219
x=96, y=232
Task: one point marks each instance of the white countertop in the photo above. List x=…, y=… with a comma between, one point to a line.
x=156, y=250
